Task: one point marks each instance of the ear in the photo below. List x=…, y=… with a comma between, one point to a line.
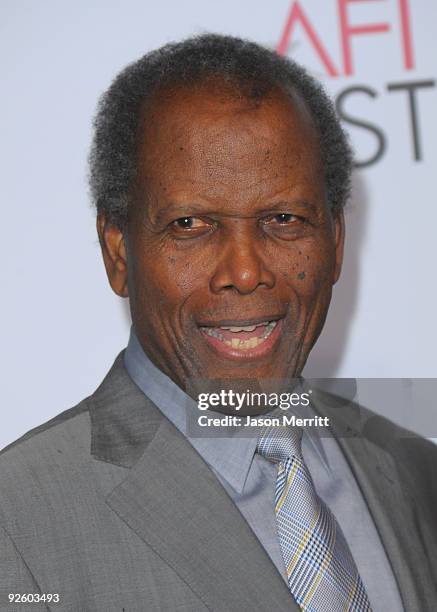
x=339, y=243
x=114, y=254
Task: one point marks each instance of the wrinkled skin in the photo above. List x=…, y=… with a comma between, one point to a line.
x=260, y=239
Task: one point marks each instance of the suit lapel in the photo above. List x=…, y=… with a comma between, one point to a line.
x=174, y=503
x=365, y=439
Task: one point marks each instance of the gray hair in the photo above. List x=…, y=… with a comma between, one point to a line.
x=251, y=67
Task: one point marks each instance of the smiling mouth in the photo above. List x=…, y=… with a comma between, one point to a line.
x=244, y=337
x=243, y=341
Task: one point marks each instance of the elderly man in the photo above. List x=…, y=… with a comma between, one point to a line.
x=219, y=173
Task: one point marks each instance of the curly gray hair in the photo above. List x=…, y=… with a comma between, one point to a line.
x=254, y=69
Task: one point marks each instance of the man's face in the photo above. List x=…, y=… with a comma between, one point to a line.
x=231, y=248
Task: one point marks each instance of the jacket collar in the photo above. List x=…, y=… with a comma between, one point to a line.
x=123, y=420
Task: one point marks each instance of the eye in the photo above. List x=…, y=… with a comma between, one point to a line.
x=190, y=227
x=283, y=219
x=285, y=226
x=188, y=223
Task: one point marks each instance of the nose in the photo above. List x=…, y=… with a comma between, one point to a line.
x=241, y=265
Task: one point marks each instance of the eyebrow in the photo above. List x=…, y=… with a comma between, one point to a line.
x=299, y=202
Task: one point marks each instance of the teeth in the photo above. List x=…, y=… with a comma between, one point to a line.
x=244, y=344
x=212, y=331
x=269, y=328
x=236, y=343
x=247, y=328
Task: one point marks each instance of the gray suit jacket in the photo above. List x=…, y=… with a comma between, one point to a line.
x=109, y=506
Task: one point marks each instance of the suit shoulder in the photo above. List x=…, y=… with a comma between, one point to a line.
x=62, y=433
x=415, y=457
x=385, y=432
x=349, y=419
x=48, y=463
x=60, y=419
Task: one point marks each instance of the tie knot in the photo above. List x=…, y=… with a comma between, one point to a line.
x=280, y=443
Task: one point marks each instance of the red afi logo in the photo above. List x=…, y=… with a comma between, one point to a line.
x=347, y=31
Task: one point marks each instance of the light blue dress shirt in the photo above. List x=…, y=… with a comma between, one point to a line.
x=250, y=481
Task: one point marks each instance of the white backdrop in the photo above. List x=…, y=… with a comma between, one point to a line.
x=62, y=326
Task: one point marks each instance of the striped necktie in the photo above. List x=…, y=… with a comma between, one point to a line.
x=322, y=575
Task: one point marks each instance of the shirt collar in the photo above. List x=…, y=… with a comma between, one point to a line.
x=230, y=455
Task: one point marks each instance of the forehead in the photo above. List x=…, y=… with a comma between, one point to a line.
x=208, y=140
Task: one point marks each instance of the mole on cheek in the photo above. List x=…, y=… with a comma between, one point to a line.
x=171, y=260
x=301, y=275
